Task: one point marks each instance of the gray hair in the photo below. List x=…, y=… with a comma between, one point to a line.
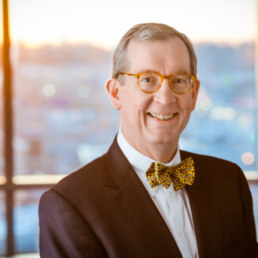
x=149, y=32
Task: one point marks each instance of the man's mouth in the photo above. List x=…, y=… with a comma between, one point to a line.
x=161, y=116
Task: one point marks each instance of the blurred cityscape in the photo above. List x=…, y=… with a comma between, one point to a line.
x=63, y=118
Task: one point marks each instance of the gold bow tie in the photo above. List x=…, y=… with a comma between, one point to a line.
x=181, y=174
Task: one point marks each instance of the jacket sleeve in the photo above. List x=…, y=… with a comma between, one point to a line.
x=248, y=217
x=63, y=231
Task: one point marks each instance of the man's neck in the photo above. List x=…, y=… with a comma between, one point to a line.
x=159, y=152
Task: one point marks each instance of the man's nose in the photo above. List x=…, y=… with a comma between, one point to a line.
x=165, y=95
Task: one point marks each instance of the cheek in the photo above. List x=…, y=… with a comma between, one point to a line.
x=186, y=103
x=135, y=103
x=131, y=107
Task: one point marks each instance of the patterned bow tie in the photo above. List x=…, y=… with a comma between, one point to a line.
x=181, y=174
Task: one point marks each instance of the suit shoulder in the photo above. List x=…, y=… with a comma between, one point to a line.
x=213, y=167
x=89, y=176
x=210, y=160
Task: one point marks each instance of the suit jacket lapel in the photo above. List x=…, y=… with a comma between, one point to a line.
x=206, y=221
x=137, y=208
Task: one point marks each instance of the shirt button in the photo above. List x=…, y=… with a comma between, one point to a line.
x=180, y=234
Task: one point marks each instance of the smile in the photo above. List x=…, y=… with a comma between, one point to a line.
x=162, y=117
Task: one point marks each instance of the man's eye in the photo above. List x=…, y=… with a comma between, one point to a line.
x=148, y=79
x=179, y=80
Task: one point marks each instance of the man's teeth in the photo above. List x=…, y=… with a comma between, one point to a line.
x=162, y=117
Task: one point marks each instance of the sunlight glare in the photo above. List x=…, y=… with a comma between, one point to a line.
x=103, y=22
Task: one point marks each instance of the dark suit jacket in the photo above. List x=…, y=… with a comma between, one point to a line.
x=103, y=210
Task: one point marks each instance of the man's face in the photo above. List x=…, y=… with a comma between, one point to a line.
x=141, y=114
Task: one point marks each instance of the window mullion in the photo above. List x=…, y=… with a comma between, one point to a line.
x=8, y=128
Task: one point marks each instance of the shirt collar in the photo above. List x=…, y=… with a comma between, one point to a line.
x=139, y=161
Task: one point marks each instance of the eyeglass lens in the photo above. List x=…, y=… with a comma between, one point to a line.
x=150, y=82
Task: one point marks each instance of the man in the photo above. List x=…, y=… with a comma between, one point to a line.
x=139, y=199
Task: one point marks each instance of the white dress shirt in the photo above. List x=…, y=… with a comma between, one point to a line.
x=173, y=206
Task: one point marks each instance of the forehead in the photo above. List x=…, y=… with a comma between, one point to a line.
x=167, y=56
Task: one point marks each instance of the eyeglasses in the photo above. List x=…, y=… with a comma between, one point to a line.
x=150, y=82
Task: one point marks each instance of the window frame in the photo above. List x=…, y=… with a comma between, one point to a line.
x=8, y=187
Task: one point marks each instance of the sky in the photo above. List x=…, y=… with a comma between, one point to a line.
x=103, y=22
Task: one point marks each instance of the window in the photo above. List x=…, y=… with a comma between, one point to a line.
x=223, y=122
x=26, y=220
x=60, y=57
x=2, y=223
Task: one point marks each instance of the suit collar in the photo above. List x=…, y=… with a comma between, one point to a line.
x=204, y=215
x=136, y=207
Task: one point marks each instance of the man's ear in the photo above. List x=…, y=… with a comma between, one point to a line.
x=112, y=89
x=195, y=92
